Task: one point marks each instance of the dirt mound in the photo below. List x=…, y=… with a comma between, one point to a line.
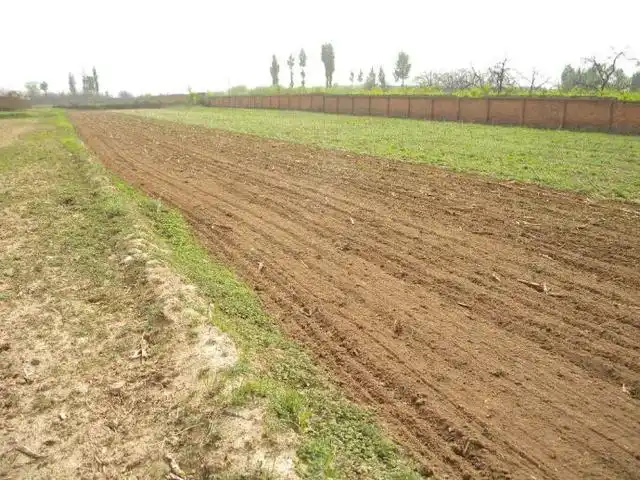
x=493, y=326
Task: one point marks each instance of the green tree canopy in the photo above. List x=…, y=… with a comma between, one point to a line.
x=302, y=61
x=371, y=80
x=403, y=67
x=291, y=62
x=275, y=71
x=635, y=81
x=329, y=60
x=72, y=84
x=96, y=85
x=32, y=88
x=382, y=79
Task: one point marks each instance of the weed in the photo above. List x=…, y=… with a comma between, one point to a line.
x=248, y=391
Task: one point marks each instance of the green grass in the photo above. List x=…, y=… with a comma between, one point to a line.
x=336, y=439
x=18, y=114
x=596, y=164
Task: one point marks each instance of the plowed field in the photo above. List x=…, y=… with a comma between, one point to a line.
x=493, y=326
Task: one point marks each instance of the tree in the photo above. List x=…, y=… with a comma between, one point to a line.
x=500, y=75
x=360, y=76
x=635, y=81
x=291, y=62
x=427, y=79
x=275, y=71
x=578, y=78
x=352, y=77
x=96, y=85
x=403, y=67
x=568, y=77
x=371, y=80
x=302, y=61
x=125, y=94
x=88, y=84
x=382, y=79
x=329, y=59
x=44, y=86
x=620, y=80
x=453, y=80
x=72, y=84
x=534, y=81
x=32, y=88
x=605, y=70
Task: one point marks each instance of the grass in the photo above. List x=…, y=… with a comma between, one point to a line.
x=336, y=439
x=18, y=114
x=596, y=164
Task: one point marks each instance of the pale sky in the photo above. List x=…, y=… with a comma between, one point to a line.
x=165, y=46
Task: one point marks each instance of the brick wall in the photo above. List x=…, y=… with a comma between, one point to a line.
x=575, y=113
x=13, y=103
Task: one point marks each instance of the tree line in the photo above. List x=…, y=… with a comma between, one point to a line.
x=328, y=58
x=593, y=75
x=90, y=86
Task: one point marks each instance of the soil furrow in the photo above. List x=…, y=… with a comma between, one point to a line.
x=471, y=374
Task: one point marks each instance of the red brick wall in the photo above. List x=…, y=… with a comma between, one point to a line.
x=294, y=102
x=545, y=113
x=379, y=105
x=445, y=108
x=361, y=105
x=473, y=110
x=626, y=117
x=420, y=107
x=399, y=106
x=506, y=111
x=317, y=103
x=574, y=113
x=305, y=102
x=345, y=104
x=331, y=104
x=587, y=114
x=13, y=103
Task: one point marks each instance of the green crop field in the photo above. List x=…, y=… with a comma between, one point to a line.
x=596, y=164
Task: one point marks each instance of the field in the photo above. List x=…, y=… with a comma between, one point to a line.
x=125, y=350
x=491, y=325
x=595, y=164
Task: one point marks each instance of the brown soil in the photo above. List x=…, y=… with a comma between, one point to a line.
x=493, y=326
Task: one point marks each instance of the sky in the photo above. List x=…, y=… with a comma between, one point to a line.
x=167, y=46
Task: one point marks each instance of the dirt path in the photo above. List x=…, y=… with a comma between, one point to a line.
x=410, y=284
